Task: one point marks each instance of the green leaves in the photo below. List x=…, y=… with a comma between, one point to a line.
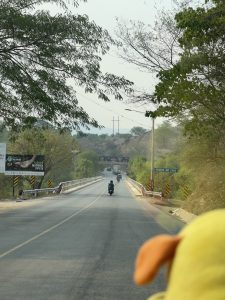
x=194, y=88
x=57, y=148
x=87, y=164
x=40, y=54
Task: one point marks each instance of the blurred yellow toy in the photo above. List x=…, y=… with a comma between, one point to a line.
x=195, y=258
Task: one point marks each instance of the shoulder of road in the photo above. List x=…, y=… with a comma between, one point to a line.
x=18, y=203
x=168, y=206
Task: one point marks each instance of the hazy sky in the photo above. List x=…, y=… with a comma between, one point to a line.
x=104, y=13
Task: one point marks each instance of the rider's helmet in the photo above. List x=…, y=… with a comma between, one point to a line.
x=111, y=181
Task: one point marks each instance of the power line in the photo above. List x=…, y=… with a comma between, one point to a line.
x=110, y=110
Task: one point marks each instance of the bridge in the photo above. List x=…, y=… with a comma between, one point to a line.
x=120, y=160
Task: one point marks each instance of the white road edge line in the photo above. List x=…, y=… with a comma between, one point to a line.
x=49, y=229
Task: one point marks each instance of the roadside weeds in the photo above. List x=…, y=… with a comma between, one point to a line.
x=167, y=206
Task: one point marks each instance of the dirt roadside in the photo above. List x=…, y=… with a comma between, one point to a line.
x=19, y=204
x=169, y=207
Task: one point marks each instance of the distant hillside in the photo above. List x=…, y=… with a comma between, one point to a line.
x=129, y=145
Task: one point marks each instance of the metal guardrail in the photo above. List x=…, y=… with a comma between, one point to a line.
x=62, y=186
x=143, y=190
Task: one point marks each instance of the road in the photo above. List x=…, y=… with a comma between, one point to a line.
x=78, y=246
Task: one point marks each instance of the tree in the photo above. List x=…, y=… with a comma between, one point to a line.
x=58, y=150
x=43, y=56
x=138, y=131
x=150, y=48
x=135, y=165
x=87, y=164
x=84, y=168
x=166, y=136
x=194, y=87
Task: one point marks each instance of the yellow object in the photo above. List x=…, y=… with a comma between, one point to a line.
x=197, y=266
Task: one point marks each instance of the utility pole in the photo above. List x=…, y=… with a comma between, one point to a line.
x=113, y=125
x=152, y=155
x=114, y=120
x=152, y=150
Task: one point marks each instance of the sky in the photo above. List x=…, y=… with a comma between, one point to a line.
x=104, y=13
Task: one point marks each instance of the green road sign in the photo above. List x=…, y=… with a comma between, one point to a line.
x=168, y=170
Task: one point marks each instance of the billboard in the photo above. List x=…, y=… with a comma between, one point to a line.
x=2, y=157
x=16, y=164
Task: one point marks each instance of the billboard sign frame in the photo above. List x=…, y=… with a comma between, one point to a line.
x=24, y=165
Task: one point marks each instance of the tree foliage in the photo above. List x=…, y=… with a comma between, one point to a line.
x=43, y=56
x=58, y=149
x=186, y=51
x=137, y=131
x=87, y=164
x=194, y=87
x=135, y=165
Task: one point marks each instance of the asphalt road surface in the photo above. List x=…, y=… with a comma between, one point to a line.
x=78, y=246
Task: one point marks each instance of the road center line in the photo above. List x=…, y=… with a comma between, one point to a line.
x=49, y=229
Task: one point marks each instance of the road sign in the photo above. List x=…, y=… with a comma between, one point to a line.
x=49, y=183
x=15, y=180
x=33, y=181
x=167, y=190
x=167, y=170
x=186, y=191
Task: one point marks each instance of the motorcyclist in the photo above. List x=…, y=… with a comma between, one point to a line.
x=118, y=177
x=111, y=186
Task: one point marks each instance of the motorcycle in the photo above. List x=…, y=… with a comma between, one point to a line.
x=110, y=192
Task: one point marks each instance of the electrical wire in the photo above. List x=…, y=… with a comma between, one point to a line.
x=110, y=110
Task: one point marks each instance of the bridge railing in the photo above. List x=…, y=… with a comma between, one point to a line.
x=140, y=187
x=62, y=187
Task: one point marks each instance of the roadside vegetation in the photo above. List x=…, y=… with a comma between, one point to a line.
x=64, y=160
x=45, y=57
x=199, y=182
x=185, y=51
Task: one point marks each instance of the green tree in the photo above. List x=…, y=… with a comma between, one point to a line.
x=194, y=87
x=43, y=56
x=135, y=165
x=87, y=164
x=166, y=136
x=84, y=168
x=203, y=169
x=137, y=131
x=58, y=149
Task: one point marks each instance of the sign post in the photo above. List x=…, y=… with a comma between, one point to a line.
x=15, y=180
x=2, y=157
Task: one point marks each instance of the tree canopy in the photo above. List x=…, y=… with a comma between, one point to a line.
x=138, y=131
x=194, y=87
x=44, y=56
x=59, y=150
x=87, y=164
x=185, y=50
